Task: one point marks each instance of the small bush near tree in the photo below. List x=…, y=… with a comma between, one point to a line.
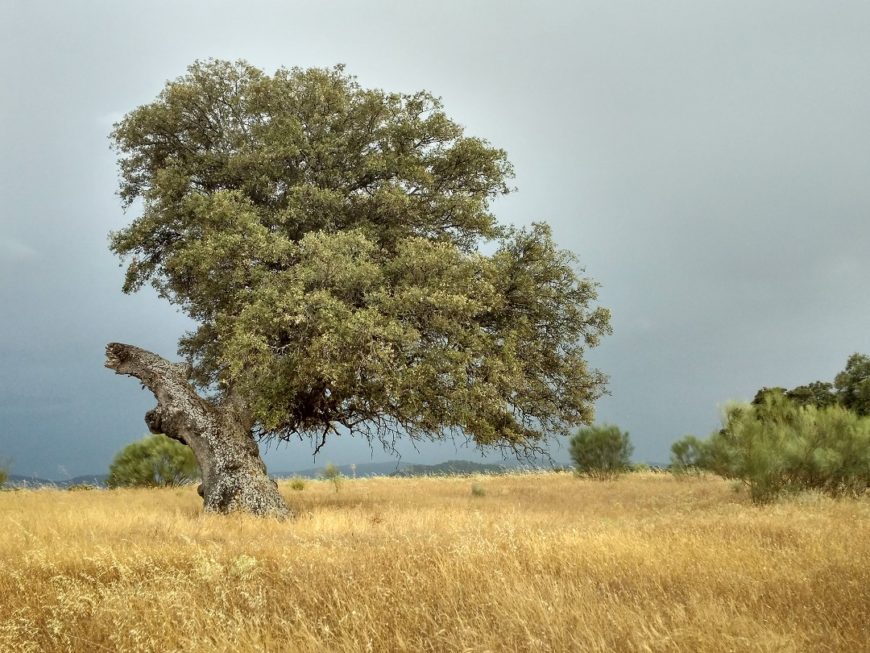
x=153, y=461
x=601, y=452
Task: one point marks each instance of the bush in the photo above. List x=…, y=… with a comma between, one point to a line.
x=153, y=461
x=332, y=474
x=779, y=446
x=689, y=456
x=477, y=490
x=601, y=452
x=297, y=484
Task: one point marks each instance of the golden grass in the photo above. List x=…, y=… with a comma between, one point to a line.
x=541, y=562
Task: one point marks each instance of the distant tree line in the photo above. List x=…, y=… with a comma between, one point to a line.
x=850, y=389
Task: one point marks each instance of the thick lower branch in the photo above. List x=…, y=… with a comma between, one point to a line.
x=233, y=474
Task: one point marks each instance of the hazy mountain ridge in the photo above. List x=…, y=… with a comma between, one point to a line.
x=453, y=468
x=17, y=480
x=360, y=470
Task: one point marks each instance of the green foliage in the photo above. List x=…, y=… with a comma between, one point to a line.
x=779, y=446
x=336, y=248
x=332, y=474
x=81, y=487
x=851, y=389
x=853, y=384
x=601, y=452
x=5, y=467
x=153, y=461
x=767, y=393
x=817, y=393
x=477, y=490
x=689, y=455
x=297, y=484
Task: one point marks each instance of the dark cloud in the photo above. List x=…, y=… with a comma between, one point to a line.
x=707, y=161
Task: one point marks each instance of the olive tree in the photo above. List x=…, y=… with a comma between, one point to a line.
x=336, y=248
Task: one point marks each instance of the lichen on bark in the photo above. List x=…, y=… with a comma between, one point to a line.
x=234, y=477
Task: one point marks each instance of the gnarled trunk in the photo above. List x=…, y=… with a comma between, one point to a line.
x=233, y=474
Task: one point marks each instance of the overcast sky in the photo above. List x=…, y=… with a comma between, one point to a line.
x=709, y=163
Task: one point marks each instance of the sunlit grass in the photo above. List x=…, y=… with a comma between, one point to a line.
x=541, y=562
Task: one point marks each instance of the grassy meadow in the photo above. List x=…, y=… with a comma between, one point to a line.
x=535, y=562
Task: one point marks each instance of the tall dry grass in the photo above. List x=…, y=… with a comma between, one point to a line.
x=542, y=562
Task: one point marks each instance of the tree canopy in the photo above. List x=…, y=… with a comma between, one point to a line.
x=853, y=384
x=337, y=249
x=850, y=389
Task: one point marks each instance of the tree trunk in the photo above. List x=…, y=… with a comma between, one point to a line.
x=233, y=474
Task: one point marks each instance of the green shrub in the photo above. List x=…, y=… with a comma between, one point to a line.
x=779, y=446
x=689, y=456
x=153, y=461
x=332, y=474
x=297, y=484
x=601, y=452
x=477, y=490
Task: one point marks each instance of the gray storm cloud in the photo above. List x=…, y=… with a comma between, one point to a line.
x=707, y=162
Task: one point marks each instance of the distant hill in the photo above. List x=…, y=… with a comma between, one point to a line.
x=27, y=481
x=16, y=480
x=362, y=470
x=452, y=468
x=399, y=468
x=93, y=479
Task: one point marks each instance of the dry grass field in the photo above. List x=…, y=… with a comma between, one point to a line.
x=540, y=562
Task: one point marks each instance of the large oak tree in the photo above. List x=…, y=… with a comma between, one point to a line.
x=336, y=247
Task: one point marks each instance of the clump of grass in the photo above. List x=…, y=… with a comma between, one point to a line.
x=82, y=487
x=477, y=490
x=297, y=483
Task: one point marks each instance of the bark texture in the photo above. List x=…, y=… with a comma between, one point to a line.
x=233, y=474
